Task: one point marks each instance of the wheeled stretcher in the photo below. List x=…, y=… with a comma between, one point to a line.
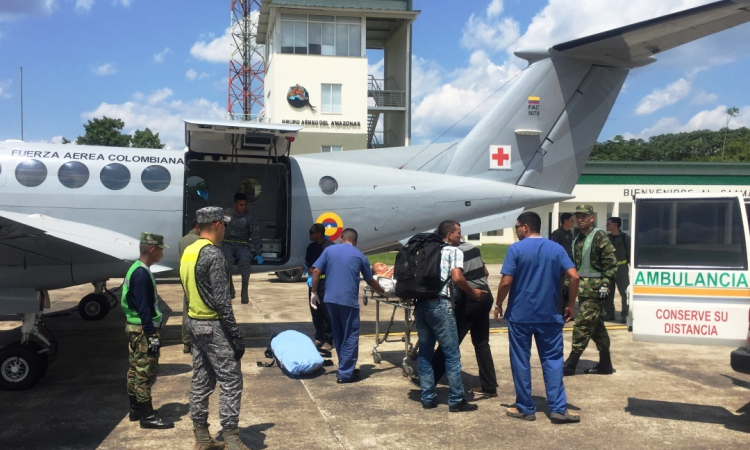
x=389, y=299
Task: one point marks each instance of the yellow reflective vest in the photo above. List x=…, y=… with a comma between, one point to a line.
x=197, y=308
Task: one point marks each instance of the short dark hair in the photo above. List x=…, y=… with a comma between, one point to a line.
x=445, y=227
x=145, y=248
x=205, y=226
x=319, y=228
x=565, y=216
x=616, y=220
x=531, y=219
x=349, y=235
x=238, y=197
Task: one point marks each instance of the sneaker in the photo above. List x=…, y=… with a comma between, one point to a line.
x=353, y=379
x=325, y=346
x=463, y=406
x=479, y=392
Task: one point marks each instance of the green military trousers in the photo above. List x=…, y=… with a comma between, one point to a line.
x=143, y=365
x=589, y=325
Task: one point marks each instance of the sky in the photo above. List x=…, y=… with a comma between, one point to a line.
x=154, y=63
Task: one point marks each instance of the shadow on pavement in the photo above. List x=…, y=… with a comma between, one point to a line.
x=689, y=412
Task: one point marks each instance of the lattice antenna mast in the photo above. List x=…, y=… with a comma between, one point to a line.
x=246, y=64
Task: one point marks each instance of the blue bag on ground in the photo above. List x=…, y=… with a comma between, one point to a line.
x=295, y=353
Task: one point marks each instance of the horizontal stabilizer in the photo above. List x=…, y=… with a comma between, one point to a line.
x=634, y=45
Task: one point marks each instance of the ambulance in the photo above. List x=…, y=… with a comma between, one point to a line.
x=690, y=273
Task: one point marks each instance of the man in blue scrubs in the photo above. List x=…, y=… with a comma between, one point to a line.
x=342, y=265
x=532, y=271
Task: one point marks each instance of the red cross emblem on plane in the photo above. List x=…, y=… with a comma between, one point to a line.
x=500, y=157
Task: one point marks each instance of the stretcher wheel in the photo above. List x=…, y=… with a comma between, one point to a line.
x=376, y=358
x=408, y=371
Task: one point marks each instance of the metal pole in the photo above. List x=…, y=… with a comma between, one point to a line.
x=21, y=103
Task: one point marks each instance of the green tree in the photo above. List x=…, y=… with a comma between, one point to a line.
x=65, y=140
x=106, y=132
x=146, y=139
x=731, y=112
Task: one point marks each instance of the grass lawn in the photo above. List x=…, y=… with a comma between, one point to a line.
x=491, y=253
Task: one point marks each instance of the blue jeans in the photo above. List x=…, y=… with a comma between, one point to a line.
x=437, y=323
x=549, y=345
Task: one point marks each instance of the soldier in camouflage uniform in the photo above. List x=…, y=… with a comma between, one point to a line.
x=237, y=246
x=140, y=302
x=594, y=257
x=217, y=342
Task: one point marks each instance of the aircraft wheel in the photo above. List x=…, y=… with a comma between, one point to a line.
x=376, y=358
x=93, y=307
x=20, y=367
x=290, y=276
x=407, y=370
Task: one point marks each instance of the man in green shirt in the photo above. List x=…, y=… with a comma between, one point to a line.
x=621, y=242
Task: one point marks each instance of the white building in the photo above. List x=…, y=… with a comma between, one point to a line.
x=609, y=187
x=316, y=71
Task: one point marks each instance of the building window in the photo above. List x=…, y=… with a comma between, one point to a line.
x=330, y=98
x=114, y=176
x=303, y=34
x=31, y=173
x=474, y=237
x=73, y=174
x=156, y=178
x=331, y=148
x=496, y=233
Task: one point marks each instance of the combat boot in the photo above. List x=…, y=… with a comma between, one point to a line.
x=232, y=439
x=204, y=441
x=135, y=408
x=244, y=298
x=604, y=367
x=151, y=418
x=569, y=367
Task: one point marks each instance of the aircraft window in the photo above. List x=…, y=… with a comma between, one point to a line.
x=31, y=173
x=328, y=185
x=115, y=176
x=251, y=188
x=156, y=178
x=73, y=174
x=197, y=188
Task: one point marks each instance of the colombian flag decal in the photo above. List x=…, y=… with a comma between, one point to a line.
x=333, y=224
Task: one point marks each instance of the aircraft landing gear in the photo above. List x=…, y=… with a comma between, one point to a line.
x=290, y=275
x=97, y=305
x=24, y=362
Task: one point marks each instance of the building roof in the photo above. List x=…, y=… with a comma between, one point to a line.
x=664, y=172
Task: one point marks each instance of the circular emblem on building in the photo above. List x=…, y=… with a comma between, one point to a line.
x=297, y=96
x=332, y=223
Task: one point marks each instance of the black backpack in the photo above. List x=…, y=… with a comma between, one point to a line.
x=417, y=270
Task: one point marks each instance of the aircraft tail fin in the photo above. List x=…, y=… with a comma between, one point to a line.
x=542, y=130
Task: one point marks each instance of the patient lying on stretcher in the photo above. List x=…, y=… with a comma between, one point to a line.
x=384, y=274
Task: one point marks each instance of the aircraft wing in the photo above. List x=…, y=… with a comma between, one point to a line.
x=634, y=45
x=45, y=252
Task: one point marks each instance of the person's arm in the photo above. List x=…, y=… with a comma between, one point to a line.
x=573, y=282
x=367, y=275
x=457, y=275
x=627, y=246
x=502, y=291
x=143, y=297
x=220, y=289
x=316, y=278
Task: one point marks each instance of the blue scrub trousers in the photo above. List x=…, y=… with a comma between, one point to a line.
x=345, y=327
x=549, y=344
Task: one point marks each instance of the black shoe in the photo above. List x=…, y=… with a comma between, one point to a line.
x=353, y=379
x=430, y=405
x=151, y=419
x=569, y=367
x=604, y=367
x=463, y=406
x=135, y=409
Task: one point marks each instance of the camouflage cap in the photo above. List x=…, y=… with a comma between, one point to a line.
x=211, y=214
x=585, y=209
x=152, y=239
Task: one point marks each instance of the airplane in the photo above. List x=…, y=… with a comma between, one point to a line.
x=69, y=214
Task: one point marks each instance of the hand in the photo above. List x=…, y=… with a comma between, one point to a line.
x=309, y=280
x=314, y=300
x=259, y=259
x=478, y=294
x=154, y=344
x=568, y=314
x=239, y=347
x=498, y=312
x=604, y=291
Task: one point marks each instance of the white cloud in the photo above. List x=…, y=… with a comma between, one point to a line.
x=713, y=119
x=159, y=57
x=490, y=31
x=659, y=98
x=160, y=113
x=84, y=5
x=125, y=3
x=192, y=75
x=104, y=69
x=495, y=8
x=217, y=50
x=5, y=88
x=704, y=98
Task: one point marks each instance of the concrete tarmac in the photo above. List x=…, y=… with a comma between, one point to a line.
x=662, y=396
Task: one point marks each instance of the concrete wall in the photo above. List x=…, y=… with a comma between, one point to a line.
x=396, y=63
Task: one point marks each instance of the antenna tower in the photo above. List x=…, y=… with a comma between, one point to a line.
x=246, y=64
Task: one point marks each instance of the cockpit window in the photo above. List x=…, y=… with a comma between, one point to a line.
x=115, y=176
x=31, y=173
x=197, y=188
x=328, y=185
x=156, y=178
x=251, y=188
x=73, y=174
